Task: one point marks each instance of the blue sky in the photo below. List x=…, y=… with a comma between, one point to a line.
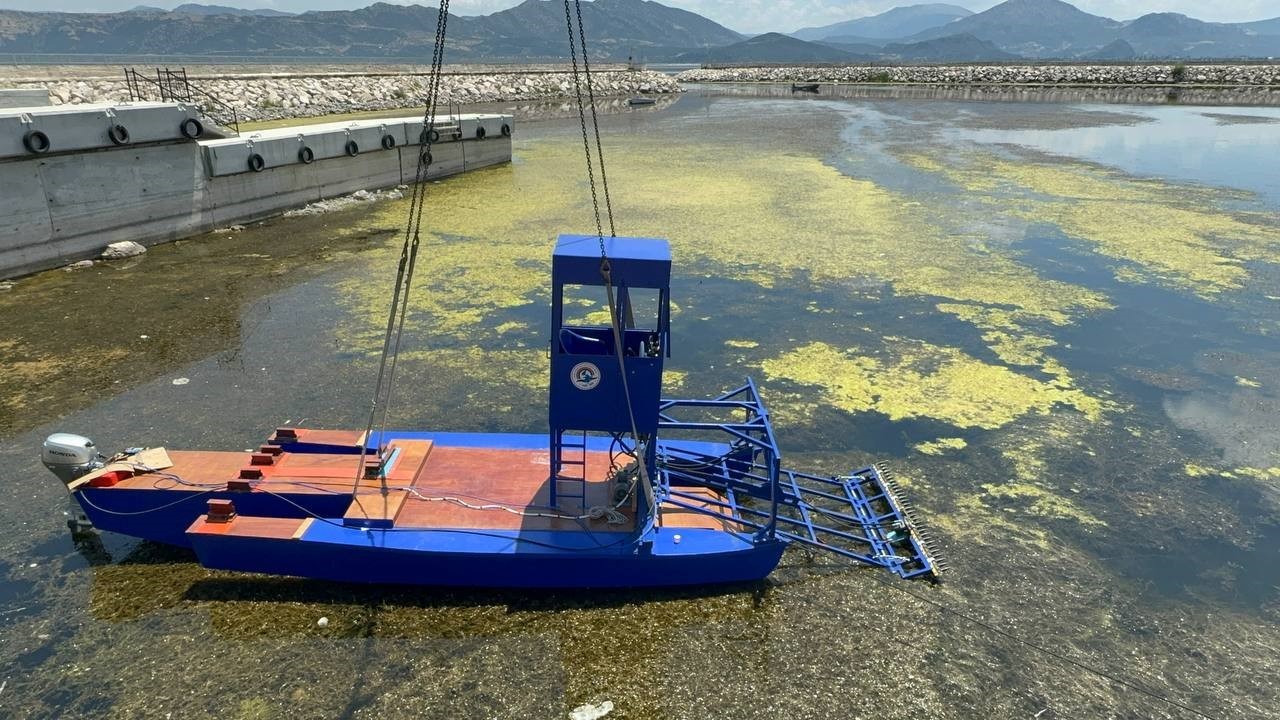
x=750, y=16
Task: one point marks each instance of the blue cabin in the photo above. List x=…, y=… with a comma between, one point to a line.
x=589, y=392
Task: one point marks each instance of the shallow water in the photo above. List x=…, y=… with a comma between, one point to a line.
x=1061, y=332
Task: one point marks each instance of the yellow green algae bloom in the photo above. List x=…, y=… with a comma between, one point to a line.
x=921, y=380
x=1176, y=234
x=1197, y=470
x=941, y=446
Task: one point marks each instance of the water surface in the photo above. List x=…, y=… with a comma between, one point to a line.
x=1057, y=321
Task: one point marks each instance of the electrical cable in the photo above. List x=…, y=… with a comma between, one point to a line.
x=179, y=501
x=625, y=539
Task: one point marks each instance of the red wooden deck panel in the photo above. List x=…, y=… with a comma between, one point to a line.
x=242, y=526
x=515, y=478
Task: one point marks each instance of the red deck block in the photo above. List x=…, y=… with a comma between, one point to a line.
x=260, y=458
x=109, y=479
x=239, y=486
x=271, y=449
x=221, y=511
x=251, y=473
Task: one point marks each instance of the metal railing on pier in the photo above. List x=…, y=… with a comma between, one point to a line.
x=174, y=86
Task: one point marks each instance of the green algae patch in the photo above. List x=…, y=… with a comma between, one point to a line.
x=1177, y=235
x=484, y=369
x=1003, y=332
x=972, y=521
x=920, y=380
x=1039, y=501
x=673, y=379
x=485, y=249
x=1196, y=470
x=941, y=446
x=483, y=266
x=815, y=220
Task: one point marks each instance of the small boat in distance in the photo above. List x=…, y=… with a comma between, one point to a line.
x=638, y=100
x=804, y=87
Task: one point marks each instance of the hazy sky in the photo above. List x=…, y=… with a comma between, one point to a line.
x=742, y=15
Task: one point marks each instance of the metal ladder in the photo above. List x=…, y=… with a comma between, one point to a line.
x=175, y=86
x=571, y=471
x=449, y=126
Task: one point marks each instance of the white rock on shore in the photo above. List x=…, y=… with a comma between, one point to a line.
x=1162, y=74
x=259, y=97
x=122, y=249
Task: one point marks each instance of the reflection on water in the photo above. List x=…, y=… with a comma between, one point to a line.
x=1057, y=321
x=1183, y=143
x=1154, y=95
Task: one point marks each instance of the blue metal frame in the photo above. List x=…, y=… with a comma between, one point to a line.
x=862, y=515
x=754, y=434
x=588, y=391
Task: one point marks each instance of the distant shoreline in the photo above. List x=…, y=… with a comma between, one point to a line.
x=1168, y=75
x=278, y=92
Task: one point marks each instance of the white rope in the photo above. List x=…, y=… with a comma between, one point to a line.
x=610, y=514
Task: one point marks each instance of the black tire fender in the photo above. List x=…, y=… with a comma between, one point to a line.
x=191, y=128
x=388, y=142
x=352, y=148
x=36, y=142
x=256, y=163
x=480, y=132
x=506, y=130
x=118, y=134
x=425, y=158
x=306, y=155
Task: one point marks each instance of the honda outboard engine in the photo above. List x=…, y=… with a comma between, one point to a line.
x=69, y=456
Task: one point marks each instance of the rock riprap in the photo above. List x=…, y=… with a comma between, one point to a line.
x=269, y=97
x=1157, y=74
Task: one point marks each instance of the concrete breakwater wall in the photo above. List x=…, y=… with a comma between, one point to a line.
x=1236, y=75
x=299, y=94
x=84, y=191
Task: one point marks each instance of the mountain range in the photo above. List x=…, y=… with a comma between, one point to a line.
x=1056, y=29
x=535, y=30
x=894, y=24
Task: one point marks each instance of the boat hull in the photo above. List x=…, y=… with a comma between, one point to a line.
x=466, y=559
x=164, y=515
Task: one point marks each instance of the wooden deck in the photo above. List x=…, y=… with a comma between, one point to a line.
x=517, y=479
x=427, y=486
x=256, y=527
x=288, y=472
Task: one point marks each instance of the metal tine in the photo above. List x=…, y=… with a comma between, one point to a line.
x=917, y=528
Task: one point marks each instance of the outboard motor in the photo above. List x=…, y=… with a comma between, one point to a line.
x=69, y=456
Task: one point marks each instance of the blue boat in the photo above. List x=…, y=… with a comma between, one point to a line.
x=627, y=489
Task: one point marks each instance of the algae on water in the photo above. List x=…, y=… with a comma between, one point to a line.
x=919, y=380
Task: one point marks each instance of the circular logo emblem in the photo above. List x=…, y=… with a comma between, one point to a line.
x=585, y=376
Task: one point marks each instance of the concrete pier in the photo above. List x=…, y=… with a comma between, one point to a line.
x=71, y=182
